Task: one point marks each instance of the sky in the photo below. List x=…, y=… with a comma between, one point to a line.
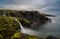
x=45, y=6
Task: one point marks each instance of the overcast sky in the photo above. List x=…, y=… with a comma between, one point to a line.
x=46, y=6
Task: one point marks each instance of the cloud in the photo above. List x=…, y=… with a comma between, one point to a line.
x=47, y=6
x=19, y=7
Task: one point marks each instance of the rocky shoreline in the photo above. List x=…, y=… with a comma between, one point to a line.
x=9, y=29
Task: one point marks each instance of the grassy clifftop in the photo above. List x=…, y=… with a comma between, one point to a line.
x=9, y=29
x=8, y=26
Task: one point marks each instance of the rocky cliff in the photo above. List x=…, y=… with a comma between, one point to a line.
x=28, y=18
x=9, y=29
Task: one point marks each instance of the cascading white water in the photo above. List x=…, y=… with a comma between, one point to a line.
x=26, y=30
x=19, y=24
x=4, y=14
x=22, y=28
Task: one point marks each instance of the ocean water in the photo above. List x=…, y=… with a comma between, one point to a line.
x=50, y=28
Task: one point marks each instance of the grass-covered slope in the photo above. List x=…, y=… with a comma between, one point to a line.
x=8, y=26
x=9, y=29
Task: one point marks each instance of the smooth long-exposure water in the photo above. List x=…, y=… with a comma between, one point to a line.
x=50, y=28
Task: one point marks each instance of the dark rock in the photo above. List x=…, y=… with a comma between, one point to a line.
x=51, y=37
x=35, y=17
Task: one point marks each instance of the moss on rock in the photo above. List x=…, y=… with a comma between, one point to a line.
x=9, y=29
x=8, y=26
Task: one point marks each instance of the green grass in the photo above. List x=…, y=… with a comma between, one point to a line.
x=9, y=29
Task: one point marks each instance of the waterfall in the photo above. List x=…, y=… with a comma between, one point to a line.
x=4, y=14
x=26, y=30
x=19, y=24
x=22, y=28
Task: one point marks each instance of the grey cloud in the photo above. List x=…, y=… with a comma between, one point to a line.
x=42, y=5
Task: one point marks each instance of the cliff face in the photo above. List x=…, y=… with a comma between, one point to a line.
x=35, y=17
x=28, y=18
x=9, y=29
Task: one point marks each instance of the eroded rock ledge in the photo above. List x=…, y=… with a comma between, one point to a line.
x=28, y=18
